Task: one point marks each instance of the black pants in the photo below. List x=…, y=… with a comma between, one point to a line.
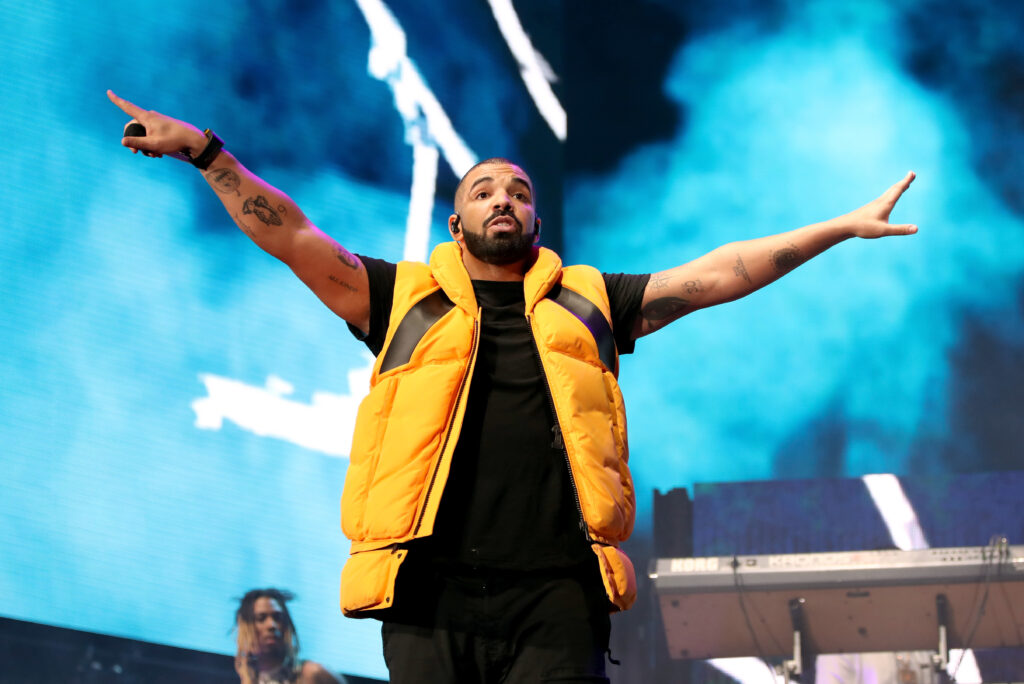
x=483, y=627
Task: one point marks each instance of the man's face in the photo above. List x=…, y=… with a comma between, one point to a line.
x=270, y=622
x=498, y=219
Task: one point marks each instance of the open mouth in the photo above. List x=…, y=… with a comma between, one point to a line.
x=503, y=223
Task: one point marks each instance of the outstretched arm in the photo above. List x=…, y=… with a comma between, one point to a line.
x=739, y=268
x=264, y=213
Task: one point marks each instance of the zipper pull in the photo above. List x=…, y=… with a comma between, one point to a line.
x=556, y=430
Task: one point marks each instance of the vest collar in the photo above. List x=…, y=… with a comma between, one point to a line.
x=542, y=276
x=449, y=271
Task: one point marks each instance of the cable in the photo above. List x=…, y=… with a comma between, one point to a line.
x=738, y=583
x=996, y=545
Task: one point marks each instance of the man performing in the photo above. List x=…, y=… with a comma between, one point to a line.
x=488, y=490
x=268, y=645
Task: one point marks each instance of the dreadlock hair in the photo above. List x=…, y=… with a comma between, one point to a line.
x=245, y=624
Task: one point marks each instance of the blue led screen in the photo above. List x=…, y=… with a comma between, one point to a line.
x=899, y=355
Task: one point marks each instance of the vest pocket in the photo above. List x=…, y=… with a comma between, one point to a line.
x=618, y=415
x=368, y=579
x=618, y=575
x=626, y=500
x=364, y=458
x=410, y=449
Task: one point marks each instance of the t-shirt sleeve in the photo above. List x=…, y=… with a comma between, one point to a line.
x=625, y=294
x=381, y=275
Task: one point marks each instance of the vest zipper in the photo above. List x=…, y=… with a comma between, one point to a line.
x=558, y=439
x=451, y=424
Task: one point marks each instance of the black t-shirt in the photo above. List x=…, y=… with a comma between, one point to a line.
x=509, y=501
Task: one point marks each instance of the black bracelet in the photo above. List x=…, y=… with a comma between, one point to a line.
x=213, y=147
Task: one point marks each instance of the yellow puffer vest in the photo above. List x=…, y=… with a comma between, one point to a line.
x=409, y=423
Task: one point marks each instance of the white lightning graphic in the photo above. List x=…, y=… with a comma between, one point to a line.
x=534, y=69
x=427, y=126
x=325, y=424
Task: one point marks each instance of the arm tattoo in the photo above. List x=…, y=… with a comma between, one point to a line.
x=244, y=226
x=786, y=259
x=663, y=309
x=693, y=286
x=225, y=180
x=659, y=281
x=345, y=257
x=263, y=211
x=740, y=269
x=339, y=281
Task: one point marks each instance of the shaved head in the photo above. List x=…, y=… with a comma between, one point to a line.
x=463, y=186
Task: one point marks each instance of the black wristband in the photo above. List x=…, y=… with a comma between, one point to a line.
x=213, y=147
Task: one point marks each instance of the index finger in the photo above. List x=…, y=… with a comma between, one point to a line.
x=126, y=106
x=898, y=188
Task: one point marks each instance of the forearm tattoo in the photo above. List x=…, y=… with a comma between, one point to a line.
x=263, y=211
x=740, y=269
x=244, y=226
x=663, y=309
x=224, y=180
x=659, y=281
x=345, y=257
x=786, y=259
x=693, y=286
x=348, y=286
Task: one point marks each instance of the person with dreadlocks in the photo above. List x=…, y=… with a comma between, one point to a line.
x=268, y=645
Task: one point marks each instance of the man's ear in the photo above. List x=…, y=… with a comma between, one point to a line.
x=536, y=231
x=455, y=225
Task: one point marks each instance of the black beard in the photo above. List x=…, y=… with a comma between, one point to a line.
x=499, y=249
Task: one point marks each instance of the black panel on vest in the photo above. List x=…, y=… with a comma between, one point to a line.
x=413, y=327
x=591, y=316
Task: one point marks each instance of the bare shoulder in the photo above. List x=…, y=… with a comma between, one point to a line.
x=315, y=673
